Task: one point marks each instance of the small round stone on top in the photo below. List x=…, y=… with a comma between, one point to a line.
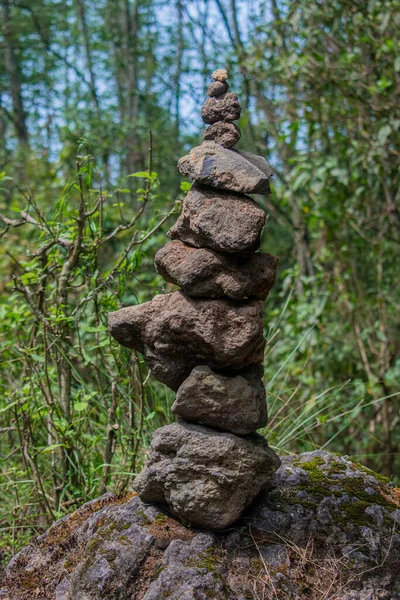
x=217, y=88
x=220, y=75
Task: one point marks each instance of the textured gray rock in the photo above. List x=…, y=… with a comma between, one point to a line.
x=217, y=88
x=184, y=574
x=319, y=533
x=100, y=565
x=257, y=161
x=236, y=404
x=207, y=477
x=201, y=272
x=211, y=164
x=221, y=108
x=225, y=134
x=176, y=334
x=222, y=221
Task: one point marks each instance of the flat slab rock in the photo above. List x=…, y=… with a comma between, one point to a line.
x=176, y=333
x=201, y=272
x=213, y=165
x=235, y=404
x=206, y=477
x=222, y=221
x=336, y=538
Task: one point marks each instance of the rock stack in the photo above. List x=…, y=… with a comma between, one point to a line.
x=206, y=341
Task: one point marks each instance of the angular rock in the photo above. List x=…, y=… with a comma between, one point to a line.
x=201, y=272
x=104, y=560
x=175, y=334
x=220, y=75
x=257, y=161
x=236, y=404
x=222, y=221
x=205, y=476
x=221, y=108
x=217, y=88
x=224, y=134
x=183, y=576
x=213, y=165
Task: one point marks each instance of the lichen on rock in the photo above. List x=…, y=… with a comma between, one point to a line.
x=329, y=525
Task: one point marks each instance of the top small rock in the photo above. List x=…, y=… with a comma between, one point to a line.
x=220, y=75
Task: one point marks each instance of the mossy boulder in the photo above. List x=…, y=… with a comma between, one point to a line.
x=328, y=529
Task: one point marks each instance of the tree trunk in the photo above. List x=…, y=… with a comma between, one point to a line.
x=81, y=10
x=131, y=26
x=13, y=69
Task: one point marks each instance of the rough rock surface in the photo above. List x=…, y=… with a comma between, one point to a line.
x=201, y=272
x=217, y=88
x=257, y=161
x=205, y=476
x=328, y=530
x=220, y=75
x=219, y=167
x=176, y=334
x=222, y=221
x=221, y=108
x=225, y=134
x=236, y=404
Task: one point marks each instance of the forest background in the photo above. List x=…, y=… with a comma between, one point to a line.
x=98, y=100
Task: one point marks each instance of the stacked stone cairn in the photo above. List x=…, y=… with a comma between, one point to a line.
x=206, y=340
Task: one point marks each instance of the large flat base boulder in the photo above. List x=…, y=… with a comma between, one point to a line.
x=206, y=477
x=236, y=404
x=176, y=333
x=201, y=272
x=327, y=530
x=222, y=221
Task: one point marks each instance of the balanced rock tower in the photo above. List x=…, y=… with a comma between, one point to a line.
x=206, y=340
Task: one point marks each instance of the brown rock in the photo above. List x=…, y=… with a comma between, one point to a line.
x=225, y=134
x=236, y=404
x=217, y=88
x=220, y=75
x=221, y=108
x=201, y=272
x=206, y=477
x=175, y=334
x=222, y=221
x=213, y=165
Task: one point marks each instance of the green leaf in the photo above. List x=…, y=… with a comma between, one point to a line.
x=5, y=408
x=80, y=406
x=37, y=357
x=185, y=186
x=96, y=329
x=28, y=278
x=4, y=177
x=144, y=174
x=52, y=447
